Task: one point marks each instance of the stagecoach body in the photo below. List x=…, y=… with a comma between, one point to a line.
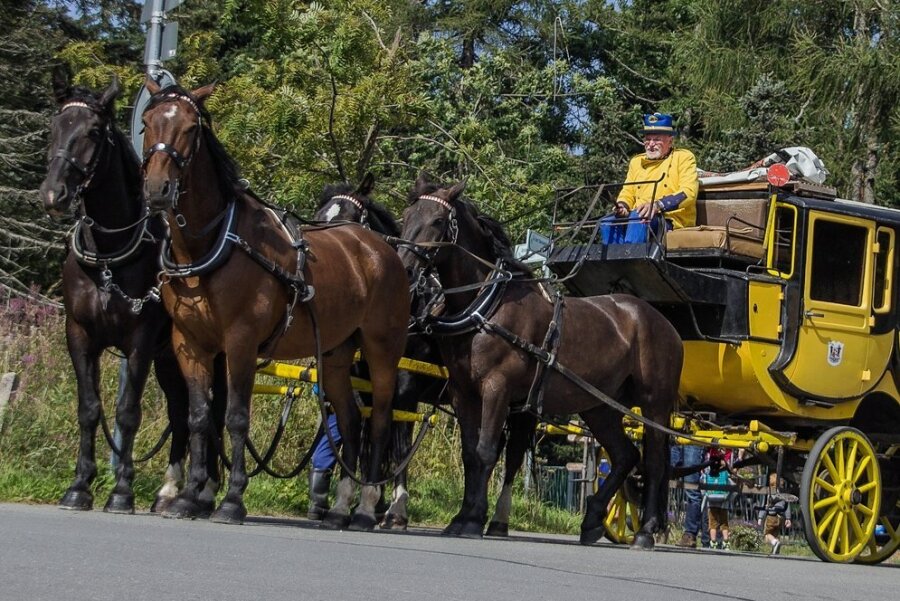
x=786, y=302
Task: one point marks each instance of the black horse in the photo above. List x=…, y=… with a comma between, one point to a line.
x=109, y=279
x=616, y=345
x=344, y=202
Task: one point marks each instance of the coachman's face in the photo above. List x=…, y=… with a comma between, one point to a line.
x=657, y=146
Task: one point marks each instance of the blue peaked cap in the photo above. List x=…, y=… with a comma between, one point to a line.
x=658, y=123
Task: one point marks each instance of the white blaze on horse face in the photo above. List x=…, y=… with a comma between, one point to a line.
x=332, y=212
x=170, y=114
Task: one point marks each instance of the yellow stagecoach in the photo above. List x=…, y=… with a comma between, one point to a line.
x=785, y=298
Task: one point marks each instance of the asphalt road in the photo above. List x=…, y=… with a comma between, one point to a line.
x=50, y=554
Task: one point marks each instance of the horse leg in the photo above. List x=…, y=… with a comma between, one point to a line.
x=468, y=416
x=656, y=486
x=85, y=360
x=397, y=517
x=197, y=372
x=175, y=389
x=207, y=498
x=241, y=368
x=335, y=382
x=382, y=350
x=494, y=410
x=606, y=426
x=128, y=419
x=521, y=433
x=406, y=399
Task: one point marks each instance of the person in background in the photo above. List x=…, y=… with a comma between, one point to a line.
x=776, y=512
x=717, y=499
x=323, y=461
x=670, y=195
x=685, y=457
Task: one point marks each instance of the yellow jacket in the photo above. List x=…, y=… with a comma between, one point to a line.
x=680, y=169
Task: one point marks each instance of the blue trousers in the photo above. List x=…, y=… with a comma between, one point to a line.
x=323, y=457
x=635, y=231
x=686, y=456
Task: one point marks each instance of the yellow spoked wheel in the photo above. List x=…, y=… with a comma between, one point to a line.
x=623, y=513
x=840, y=494
x=886, y=539
x=622, y=516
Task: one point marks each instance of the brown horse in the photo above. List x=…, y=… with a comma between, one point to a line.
x=343, y=202
x=107, y=282
x=617, y=343
x=244, y=283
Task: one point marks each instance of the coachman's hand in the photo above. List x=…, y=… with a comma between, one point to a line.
x=621, y=209
x=647, y=211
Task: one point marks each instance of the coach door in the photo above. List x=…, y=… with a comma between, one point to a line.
x=846, y=284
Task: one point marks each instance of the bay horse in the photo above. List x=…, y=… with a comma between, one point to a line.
x=344, y=202
x=108, y=282
x=618, y=344
x=244, y=282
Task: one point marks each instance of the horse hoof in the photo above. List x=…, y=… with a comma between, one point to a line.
x=205, y=508
x=642, y=541
x=161, y=504
x=394, y=522
x=180, y=509
x=452, y=529
x=362, y=523
x=590, y=536
x=119, y=503
x=335, y=521
x=472, y=530
x=229, y=513
x=497, y=529
x=79, y=500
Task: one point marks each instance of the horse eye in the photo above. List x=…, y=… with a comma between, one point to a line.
x=94, y=133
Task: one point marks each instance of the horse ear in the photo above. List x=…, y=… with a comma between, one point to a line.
x=152, y=86
x=60, y=78
x=111, y=93
x=201, y=94
x=367, y=185
x=422, y=181
x=456, y=190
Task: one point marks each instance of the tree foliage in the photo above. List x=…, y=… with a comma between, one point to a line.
x=518, y=97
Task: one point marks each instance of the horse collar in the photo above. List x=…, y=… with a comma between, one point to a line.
x=92, y=257
x=219, y=253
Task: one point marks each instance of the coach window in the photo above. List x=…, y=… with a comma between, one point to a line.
x=838, y=262
x=781, y=240
x=884, y=271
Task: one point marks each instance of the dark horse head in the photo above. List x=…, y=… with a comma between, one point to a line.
x=448, y=232
x=344, y=202
x=82, y=138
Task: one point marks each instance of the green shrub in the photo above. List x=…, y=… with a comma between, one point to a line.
x=745, y=537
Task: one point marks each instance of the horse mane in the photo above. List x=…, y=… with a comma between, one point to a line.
x=227, y=170
x=381, y=219
x=490, y=228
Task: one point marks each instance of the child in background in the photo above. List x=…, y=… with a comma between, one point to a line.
x=716, y=500
x=776, y=512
